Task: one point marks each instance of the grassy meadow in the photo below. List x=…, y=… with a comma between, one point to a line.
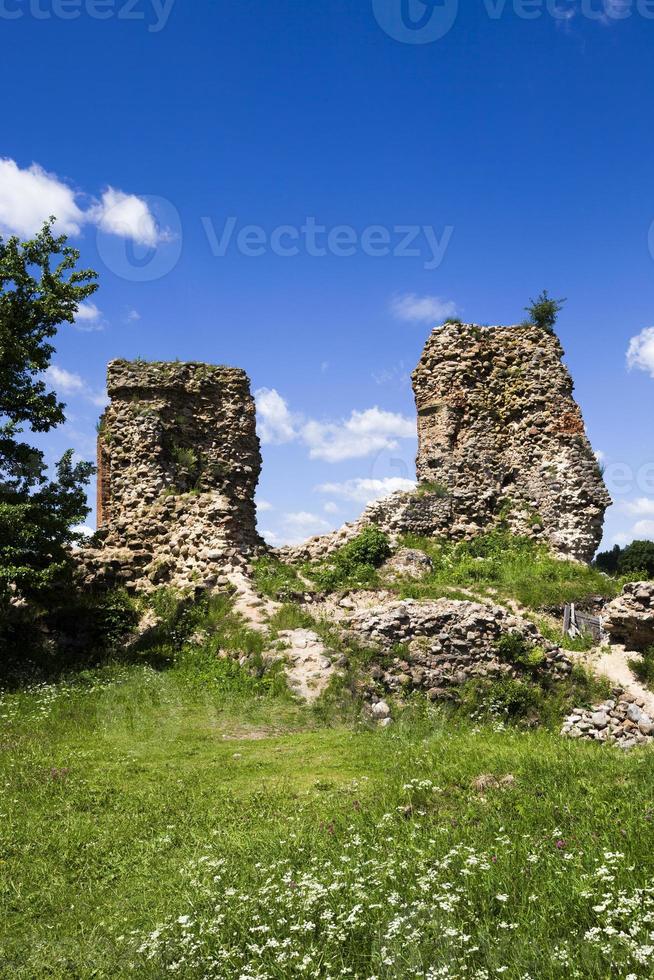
x=196, y=822
x=175, y=812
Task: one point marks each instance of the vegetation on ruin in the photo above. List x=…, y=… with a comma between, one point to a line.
x=504, y=567
x=432, y=488
x=544, y=311
x=355, y=564
x=498, y=565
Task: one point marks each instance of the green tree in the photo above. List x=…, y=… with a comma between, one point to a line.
x=637, y=558
x=40, y=288
x=608, y=561
x=543, y=311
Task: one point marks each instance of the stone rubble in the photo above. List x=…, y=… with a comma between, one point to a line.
x=629, y=619
x=621, y=720
x=308, y=664
x=407, y=563
x=445, y=643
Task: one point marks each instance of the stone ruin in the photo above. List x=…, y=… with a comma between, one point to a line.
x=500, y=432
x=500, y=440
x=178, y=464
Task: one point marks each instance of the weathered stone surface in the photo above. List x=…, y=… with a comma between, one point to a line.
x=499, y=430
x=629, y=619
x=179, y=463
x=620, y=720
x=445, y=643
x=423, y=514
x=407, y=563
x=500, y=439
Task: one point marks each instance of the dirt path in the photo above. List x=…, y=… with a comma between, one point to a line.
x=249, y=604
x=613, y=662
x=309, y=664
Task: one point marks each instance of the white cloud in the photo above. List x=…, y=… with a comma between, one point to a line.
x=275, y=422
x=127, y=216
x=68, y=383
x=365, y=491
x=621, y=538
x=296, y=527
x=640, y=354
x=84, y=529
x=263, y=506
x=88, y=318
x=28, y=198
x=363, y=433
x=273, y=538
x=87, y=312
x=643, y=529
x=370, y=431
x=65, y=381
x=331, y=508
x=600, y=456
x=132, y=316
x=641, y=507
x=421, y=309
x=304, y=521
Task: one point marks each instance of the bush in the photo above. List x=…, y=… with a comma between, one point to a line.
x=514, y=649
x=643, y=667
x=355, y=564
x=274, y=578
x=72, y=629
x=505, y=698
x=544, y=310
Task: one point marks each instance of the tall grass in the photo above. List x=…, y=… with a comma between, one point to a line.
x=504, y=566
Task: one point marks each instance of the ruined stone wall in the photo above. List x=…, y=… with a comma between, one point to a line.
x=178, y=465
x=501, y=440
x=500, y=432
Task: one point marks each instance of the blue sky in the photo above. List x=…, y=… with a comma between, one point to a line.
x=390, y=173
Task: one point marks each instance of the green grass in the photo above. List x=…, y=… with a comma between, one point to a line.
x=554, y=633
x=196, y=822
x=502, y=566
x=643, y=667
x=276, y=579
x=498, y=565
